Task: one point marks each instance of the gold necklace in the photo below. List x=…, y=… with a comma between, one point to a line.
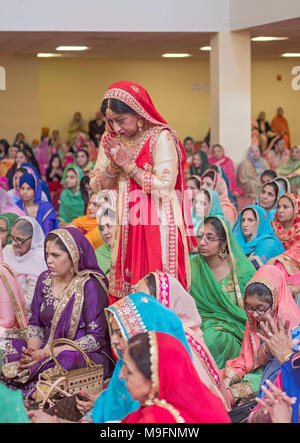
x=131, y=143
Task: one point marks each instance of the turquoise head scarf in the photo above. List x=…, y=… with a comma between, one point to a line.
x=263, y=244
x=134, y=314
x=215, y=208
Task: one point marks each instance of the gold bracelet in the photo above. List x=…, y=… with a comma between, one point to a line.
x=287, y=357
x=134, y=171
x=130, y=168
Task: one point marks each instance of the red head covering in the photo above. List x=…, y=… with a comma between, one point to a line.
x=138, y=99
x=292, y=236
x=182, y=397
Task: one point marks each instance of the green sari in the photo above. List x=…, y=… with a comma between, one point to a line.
x=220, y=303
x=71, y=205
x=103, y=255
x=291, y=166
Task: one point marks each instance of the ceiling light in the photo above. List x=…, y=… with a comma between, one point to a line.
x=72, y=48
x=205, y=48
x=268, y=39
x=291, y=54
x=176, y=55
x=47, y=55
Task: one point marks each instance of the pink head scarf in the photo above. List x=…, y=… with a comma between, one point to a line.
x=283, y=304
x=13, y=313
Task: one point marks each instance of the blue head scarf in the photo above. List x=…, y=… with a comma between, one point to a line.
x=44, y=185
x=256, y=163
x=264, y=244
x=134, y=314
x=34, y=183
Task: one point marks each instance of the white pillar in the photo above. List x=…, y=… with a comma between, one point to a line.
x=230, y=91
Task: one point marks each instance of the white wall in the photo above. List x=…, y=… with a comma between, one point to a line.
x=113, y=16
x=247, y=13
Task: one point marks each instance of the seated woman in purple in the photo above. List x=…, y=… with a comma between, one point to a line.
x=68, y=302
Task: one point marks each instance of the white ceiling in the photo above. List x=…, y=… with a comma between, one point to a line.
x=146, y=44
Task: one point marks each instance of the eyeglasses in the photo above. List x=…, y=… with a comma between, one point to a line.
x=259, y=311
x=18, y=241
x=207, y=238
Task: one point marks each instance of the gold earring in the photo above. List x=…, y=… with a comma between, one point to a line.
x=223, y=254
x=108, y=112
x=140, y=124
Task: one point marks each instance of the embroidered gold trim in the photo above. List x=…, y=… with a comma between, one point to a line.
x=163, y=404
x=46, y=215
x=237, y=288
x=155, y=389
x=70, y=244
x=12, y=297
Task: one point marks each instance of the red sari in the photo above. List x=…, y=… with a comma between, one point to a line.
x=181, y=397
x=228, y=167
x=290, y=237
x=140, y=248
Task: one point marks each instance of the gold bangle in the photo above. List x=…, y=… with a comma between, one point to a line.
x=134, y=171
x=287, y=357
x=130, y=168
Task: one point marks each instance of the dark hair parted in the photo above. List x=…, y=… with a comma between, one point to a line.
x=275, y=186
x=205, y=192
x=219, y=228
x=259, y=290
x=289, y=199
x=116, y=106
x=139, y=351
x=188, y=139
x=195, y=181
x=59, y=243
x=249, y=209
x=151, y=283
x=210, y=174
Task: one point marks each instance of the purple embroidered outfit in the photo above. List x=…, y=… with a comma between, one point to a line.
x=78, y=314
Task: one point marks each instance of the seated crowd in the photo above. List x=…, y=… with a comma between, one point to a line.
x=168, y=354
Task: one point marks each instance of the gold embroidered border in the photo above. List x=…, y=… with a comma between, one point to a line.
x=155, y=389
x=204, y=359
x=70, y=244
x=229, y=372
x=242, y=391
x=163, y=404
x=237, y=288
x=13, y=301
x=46, y=215
x=128, y=316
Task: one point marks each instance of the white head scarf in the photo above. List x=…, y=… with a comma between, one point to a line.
x=30, y=265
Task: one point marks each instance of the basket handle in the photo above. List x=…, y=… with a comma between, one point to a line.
x=66, y=341
x=53, y=387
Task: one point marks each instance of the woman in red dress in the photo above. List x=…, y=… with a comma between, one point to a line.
x=142, y=158
x=159, y=374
